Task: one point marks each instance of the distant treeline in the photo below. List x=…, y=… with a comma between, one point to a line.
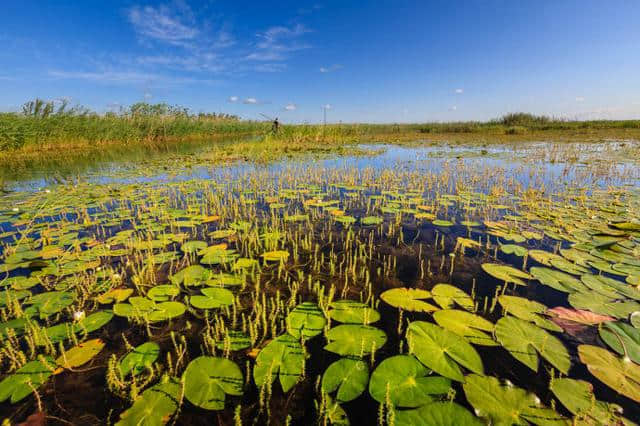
x=57, y=124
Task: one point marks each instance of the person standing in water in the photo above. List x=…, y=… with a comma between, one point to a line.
x=275, y=126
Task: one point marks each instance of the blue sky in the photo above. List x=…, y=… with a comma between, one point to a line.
x=371, y=61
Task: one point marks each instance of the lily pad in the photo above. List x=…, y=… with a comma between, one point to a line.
x=155, y=406
x=352, y=312
x=442, y=350
x=447, y=296
x=355, y=340
x=506, y=273
x=347, y=377
x=80, y=354
x=283, y=358
x=306, y=320
x=409, y=299
x=139, y=359
x=23, y=381
x=207, y=381
x=212, y=298
x=436, y=414
x=622, y=338
x=472, y=327
x=507, y=405
x=406, y=382
x=527, y=310
x=525, y=341
x=620, y=375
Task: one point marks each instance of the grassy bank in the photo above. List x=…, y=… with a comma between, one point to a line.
x=44, y=135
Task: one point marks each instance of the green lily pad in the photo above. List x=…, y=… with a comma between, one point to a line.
x=47, y=304
x=139, y=359
x=409, y=299
x=93, y=322
x=472, y=327
x=600, y=304
x=275, y=256
x=506, y=405
x=622, y=338
x=207, y=381
x=577, y=396
x=558, y=280
x=212, y=298
x=447, y=296
x=371, y=220
x=155, y=406
x=355, y=340
x=352, y=312
x=436, y=414
x=442, y=350
x=190, y=247
x=234, y=341
x=347, y=377
x=506, y=273
x=23, y=381
x=406, y=382
x=513, y=249
x=80, y=354
x=528, y=310
x=163, y=293
x=191, y=276
x=283, y=358
x=620, y=375
x=305, y=320
x=525, y=341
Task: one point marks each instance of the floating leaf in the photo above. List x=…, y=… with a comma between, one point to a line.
x=470, y=326
x=406, y=382
x=275, y=256
x=578, y=315
x=355, y=340
x=154, y=406
x=80, y=354
x=557, y=280
x=622, y=338
x=282, y=358
x=442, y=350
x=506, y=273
x=139, y=359
x=524, y=341
x=527, y=310
x=603, y=305
x=436, y=414
x=352, y=312
x=577, y=396
x=620, y=375
x=306, y=319
x=409, y=299
x=347, y=377
x=212, y=298
x=23, y=381
x=513, y=249
x=193, y=275
x=162, y=293
x=506, y=404
x=447, y=296
x=115, y=295
x=207, y=380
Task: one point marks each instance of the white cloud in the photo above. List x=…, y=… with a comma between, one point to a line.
x=250, y=101
x=277, y=42
x=233, y=99
x=459, y=91
x=579, y=98
x=327, y=106
x=290, y=107
x=127, y=77
x=162, y=23
x=276, y=67
x=332, y=68
x=453, y=108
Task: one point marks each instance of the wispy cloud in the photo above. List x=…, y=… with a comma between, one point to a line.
x=250, y=101
x=233, y=99
x=277, y=42
x=164, y=23
x=127, y=77
x=458, y=91
x=290, y=107
x=453, y=108
x=332, y=68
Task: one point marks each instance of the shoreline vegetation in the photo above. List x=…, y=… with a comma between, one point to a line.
x=45, y=132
